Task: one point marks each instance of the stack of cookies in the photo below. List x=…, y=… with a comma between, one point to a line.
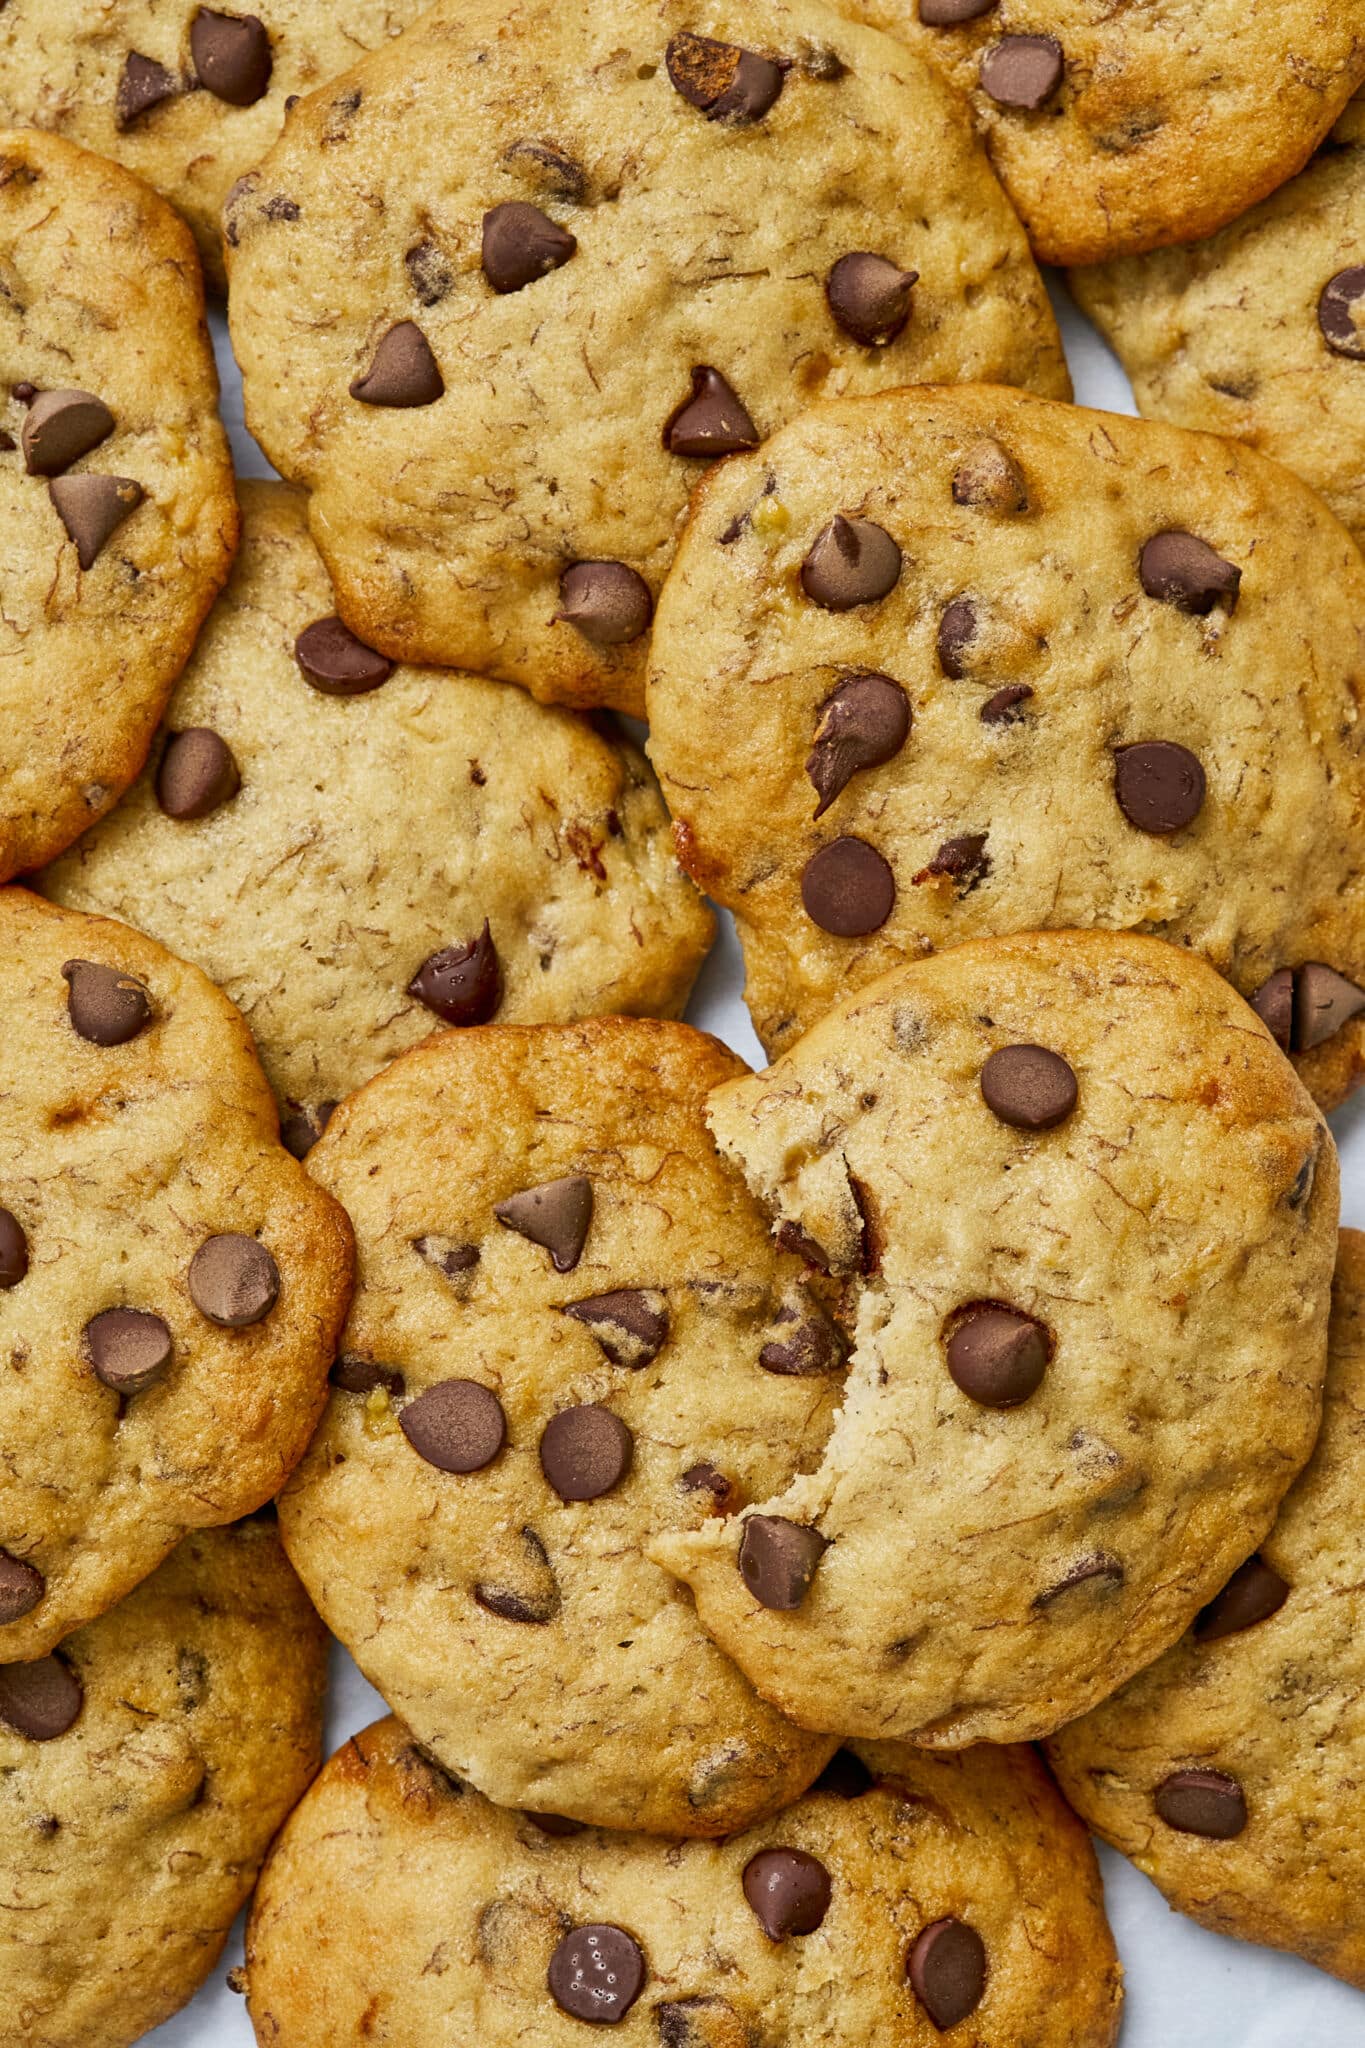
x=727, y=1479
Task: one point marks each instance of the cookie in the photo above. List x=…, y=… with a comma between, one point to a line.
x=356, y=869
x=171, y=1282
x=1253, y=333
x=1230, y=1769
x=499, y=301
x=571, y=1330
x=117, y=518
x=1086, y=1217
x=185, y=95
x=143, y=1771
x=986, y=664
x=904, y=1895
x=1120, y=128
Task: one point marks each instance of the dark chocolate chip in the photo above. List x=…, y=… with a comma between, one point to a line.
x=788, y=1890
x=847, y=888
x=956, y=632
x=585, y=1452
x=726, y=82
x=777, y=1560
x=338, y=664
x=1323, y=1001
x=949, y=13
x=845, y=1776
x=22, y=1586
x=1201, y=1802
x=462, y=984
x=281, y=207
x=963, y=860
x=1029, y=1087
x=1178, y=568
x=1253, y=1593
x=60, y=427
x=535, y=1601
x=997, y=1355
x=457, y=1425
x=403, y=371
x=805, y=1344
x=40, y=1700
x=143, y=84
x=105, y=1006
x=198, y=773
x=6, y=441
x=13, y=1250
x=1341, y=312
x=1098, y=1568
x=947, y=1970
x=91, y=508
x=866, y=722
x=1022, y=71
x=630, y=1324
x=1159, y=785
x=556, y=1825
x=724, y=1494
x=990, y=477
x=24, y=392
x=1003, y=707
x=596, y=1974
x=850, y=562
x=609, y=602
x=793, y=1238
x=1273, y=1003
x=234, y=1281
x=129, y=1348
x=521, y=244
x=231, y=55
x=711, y=421
x=870, y=296
x=430, y=272
x=556, y=1215
x=550, y=165
x=703, y=2022
x=450, y=1258
x=303, y=1126
x=356, y=1375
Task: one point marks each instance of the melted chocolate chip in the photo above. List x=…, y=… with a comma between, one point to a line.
x=724, y=1494
x=535, y=1601
x=521, y=244
x=129, y=1348
x=1004, y=707
x=462, y=984
x=22, y=1587
x=303, y=1126
x=453, y=1260
x=233, y=1280
x=845, y=1776
x=231, y=55
x=198, y=774
x=1159, y=786
x=703, y=2022
x=630, y=1324
x=556, y=1215
x=41, y=1700
x=947, y=1970
x=788, y=1890
x=457, y=1425
x=726, y=82
x=1202, y=1802
x=585, y=1452
x=60, y=427
x=711, y=421
x=956, y=632
x=92, y=508
x=793, y=1238
x=997, y=1355
x=1178, y=568
x=403, y=371
x=334, y=661
x=865, y=723
x=870, y=296
x=1341, y=312
x=13, y=1250
x=851, y=562
x=963, y=860
x=1253, y=1593
x=143, y=84
x=1099, y=1568
x=1029, y=1087
x=777, y=1560
x=847, y=888
x=596, y=1974
x=106, y=1007
x=805, y=1344
x=1023, y=71
x=356, y=1375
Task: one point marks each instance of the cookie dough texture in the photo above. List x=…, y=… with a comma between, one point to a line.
x=991, y=1571
x=370, y=832
x=99, y=291
x=1275, y=1707
x=117, y=1162
x=129, y=1841
x=63, y=63
x=477, y=1900
x=1167, y=118
x=524, y=1637
x=1030, y=655
x=533, y=438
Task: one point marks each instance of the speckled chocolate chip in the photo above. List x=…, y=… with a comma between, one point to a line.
x=1202, y=1802
x=233, y=1280
x=335, y=662
x=990, y=478
x=430, y=272
x=726, y=82
x=1023, y=71
x=630, y=1324
x=1273, y=1003
x=13, y=1250
x=1253, y=1593
x=521, y=244
x=847, y=888
x=1341, y=312
x=22, y=1586
x=60, y=427
x=804, y=1344
x=452, y=1260
x=1097, y=1570
x=870, y=296
x=585, y=1452
x=609, y=602
x=41, y=1700
x=1159, y=786
x=963, y=860
x=457, y=1425
x=143, y=84
x=535, y=1599
x=1029, y=1087
x=866, y=722
x=556, y=1215
x=947, y=1970
x=105, y=1006
x=596, y=1974
x=845, y=1776
x=997, y=1355
x=850, y=562
x=1006, y=706
x=723, y=1495
x=403, y=371
x=788, y=1890
x=198, y=773
x=231, y=54
x=356, y=1375
x=1178, y=568
x=304, y=1124
x=956, y=632
x=461, y=984
x=1323, y=1001
x=777, y=1560
x=711, y=421
x=91, y=508
x=129, y=1348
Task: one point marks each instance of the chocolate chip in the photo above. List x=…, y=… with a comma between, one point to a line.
x=724, y=1494
x=724, y=81
x=6, y=441
x=402, y=372
x=870, y=296
x=234, y=1280
x=1180, y=569
x=1323, y=1001
x=1022, y=71
x=1159, y=785
x=305, y=1124
x=356, y=1375
x=596, y=1974
x=550, y=166
x=997, y=1355
x=430, y=272
x=850, y=562
x=630, y=1324
x=60, y=427
x=793, y=1238
x=1029, y=1087
x=457, y=1425
x=585, y=1452
x=845, y=1776
x=1253, y=1593
x=338, y=664
x=1273, y=1003
x=847, y=888
x=949, y=13
x=947, y=1970
x=609, y=602
x=1202, y=1802
x=197, y=774
x=956, y=632
x=21, y=1588
x=703, y=2022
x=462, y=984
x=1341, y=312
x=990, y=477
x=105, y=1006
x=40, y=1700
x=866, y=722
x=710, y=422
x=788, y=1890
x=129, y=1348
x=1003, y=707
x=91, y=508
x=535, y=1601
x=450, y=1258
x=1108, y=1571
x=963, y=860
x=804, y=1346
x=556, y=1825
x=13, y=1250
x=281, y=207
x=521, y=244
x=777, y=1560
x=24, y=392
x=231, y=55
x=143, y=84
x=556, y=1215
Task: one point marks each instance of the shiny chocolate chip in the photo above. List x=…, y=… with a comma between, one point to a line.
x=198, y=773
x=232, y=58
x=1273, y=1003
x=1006, y=707
x=1180, y=569
x=947, y=1970
x=105, y=1006
x=711, y=421
x=956, y=632
x=1253, y=1593
x=870, y=296
x=725, y=82
x=522, y=244
x=461, y=984
x=1023, y=71
x=13, y=1250
x=143, y=84
x=788, y=1890
x=92, y=508
x=1323, y=1001
x=863, y=724
x=997, y=1355
x=989, y=477
x=41, y=1700
x=22, y=1587
x=1202, y=1802
x=556, y=1215
x=778, y=1559
x=334, y=661
x=596, y=1973
x=630, y=1324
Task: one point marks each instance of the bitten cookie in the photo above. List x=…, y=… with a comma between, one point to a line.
x=357, y=854
x=1230, y=1770
x=941, y=664
x=499, y=298
x=117, y=518
x=1117, y=128
x=171, y=1282
x=185, y=95
x=143, y=1771
x=571, y=1330
x=1087, y=1217
x=905, y=1897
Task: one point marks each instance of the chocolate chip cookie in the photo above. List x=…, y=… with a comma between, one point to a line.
x=144, y=1769
x=185, y=95
x=940, y=664
x=359, y=853
x=117, y=518
x=500, y=299
x=1086, y=1217
x=572, y=1330
x=905, y=1896
x=171, y=1281
x=1119, y=128
x=1230, y=1770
